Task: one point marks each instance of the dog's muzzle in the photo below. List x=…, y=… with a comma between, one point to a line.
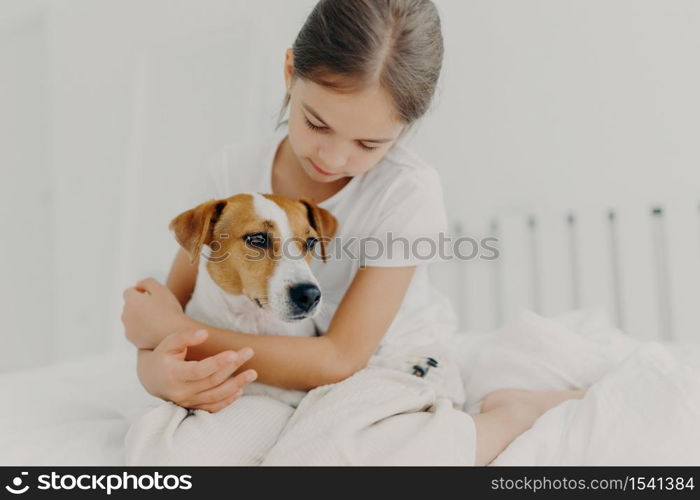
x=305, y=298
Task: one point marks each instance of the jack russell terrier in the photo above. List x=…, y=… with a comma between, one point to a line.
x=257, y=278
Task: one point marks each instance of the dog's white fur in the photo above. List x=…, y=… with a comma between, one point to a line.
x=292, y=268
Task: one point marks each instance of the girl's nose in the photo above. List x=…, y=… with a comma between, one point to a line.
x=333, y=156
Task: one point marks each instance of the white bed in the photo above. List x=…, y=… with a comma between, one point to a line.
x=577, y=222
x=642, y=407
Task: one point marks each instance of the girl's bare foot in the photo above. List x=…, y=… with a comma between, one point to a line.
x=507, y=413
x=537, y=402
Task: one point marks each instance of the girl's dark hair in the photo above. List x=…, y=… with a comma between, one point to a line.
x=349, y=45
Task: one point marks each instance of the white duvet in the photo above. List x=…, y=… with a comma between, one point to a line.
x=643, y=402
x=643, y=405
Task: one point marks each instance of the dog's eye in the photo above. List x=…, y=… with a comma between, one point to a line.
x=258, y=240
x=310, y=242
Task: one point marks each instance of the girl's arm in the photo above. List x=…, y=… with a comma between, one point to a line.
x=152, y=311
x=360, y=321
x=182, y=277
x=210, y=384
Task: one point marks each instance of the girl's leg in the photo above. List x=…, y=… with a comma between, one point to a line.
x=507, y=413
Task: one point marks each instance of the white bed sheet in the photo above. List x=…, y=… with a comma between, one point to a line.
x=642, y=407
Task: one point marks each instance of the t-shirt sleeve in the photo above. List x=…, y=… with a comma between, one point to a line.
x=412, y=223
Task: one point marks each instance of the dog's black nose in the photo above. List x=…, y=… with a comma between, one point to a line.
x=305, y=296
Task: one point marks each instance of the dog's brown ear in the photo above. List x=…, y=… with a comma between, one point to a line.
x=193, y=228
x=325, y=224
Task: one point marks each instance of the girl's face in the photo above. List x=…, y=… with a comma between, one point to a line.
x=338, y=135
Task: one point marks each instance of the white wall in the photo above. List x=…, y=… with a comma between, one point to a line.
x=25, y=189
x=108, y=106
x=582, y=101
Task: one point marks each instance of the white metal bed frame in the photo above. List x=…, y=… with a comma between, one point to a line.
x=639, y=262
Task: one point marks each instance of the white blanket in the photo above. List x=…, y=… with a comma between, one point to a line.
x=643, y=402
x=643, y=406
x=382, y=415
x=644, y=412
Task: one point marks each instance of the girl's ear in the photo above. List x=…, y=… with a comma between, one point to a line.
x=325, y=224
x=193, y=228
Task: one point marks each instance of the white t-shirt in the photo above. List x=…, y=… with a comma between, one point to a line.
x=401, y=195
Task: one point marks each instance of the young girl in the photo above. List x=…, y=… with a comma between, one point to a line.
x=359, y=75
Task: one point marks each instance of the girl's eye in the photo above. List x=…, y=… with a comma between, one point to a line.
x=258, y=240
x=310, y=242
x=317, y=128
x=311, y=125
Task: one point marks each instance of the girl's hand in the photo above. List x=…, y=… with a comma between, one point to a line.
x=151, y=312
x=207, y=384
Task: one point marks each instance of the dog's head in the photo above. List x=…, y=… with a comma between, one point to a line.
x=261, y=246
